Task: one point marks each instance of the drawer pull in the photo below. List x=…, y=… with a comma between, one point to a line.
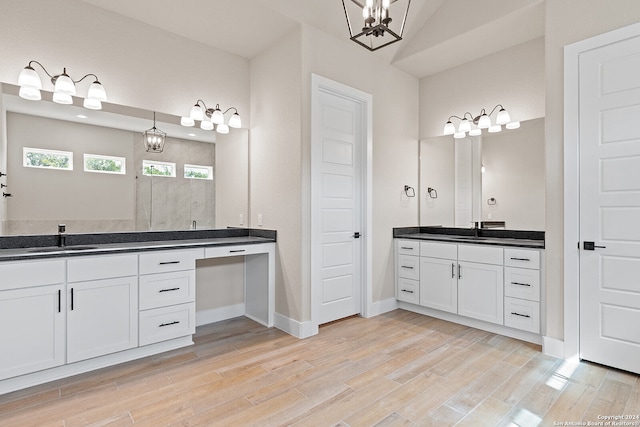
x=407, y=267
x=169, y=262
x=71, y=299
x=175, y=322
x=520, y=259
x=407, y=291
x=406, y=247
x=59, y=300
x=169, y=290
x=518, y=314
x=520, y=284
x=237, y=250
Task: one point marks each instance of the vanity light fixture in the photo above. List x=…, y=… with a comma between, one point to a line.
x=64, y=87
x=473, y=125
x=376, y=30
x=154, y=138
x=208, y=117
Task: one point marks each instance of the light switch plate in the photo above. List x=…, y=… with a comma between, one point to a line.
x=260, y=220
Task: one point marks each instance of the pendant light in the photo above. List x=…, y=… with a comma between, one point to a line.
x=154, y=138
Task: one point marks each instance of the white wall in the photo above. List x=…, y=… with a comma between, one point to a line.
x=437, y=171
x=275, y=159
x=139, y=65
x=513, y=77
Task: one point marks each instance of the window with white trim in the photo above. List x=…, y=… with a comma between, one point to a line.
x=105, y=164
x=198, y=172
x=155, y=168
x=47, y=159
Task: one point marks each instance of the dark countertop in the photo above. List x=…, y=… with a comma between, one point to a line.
x=13, y=248
x=513, y=238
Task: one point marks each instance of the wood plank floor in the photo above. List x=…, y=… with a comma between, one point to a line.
x=397, y=369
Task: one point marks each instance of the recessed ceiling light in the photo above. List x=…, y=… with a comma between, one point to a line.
x=81, y=116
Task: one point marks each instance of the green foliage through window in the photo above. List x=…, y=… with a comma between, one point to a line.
x=106, y=164
x=40, y=158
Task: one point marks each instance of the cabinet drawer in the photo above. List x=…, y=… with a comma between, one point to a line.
x=480, y=254
x=522, y=283
x=524, y=258
x=101, y=267
x=224, y=251
x=17, y=275
x=165, y=261
x=439, y=250
x=409, y=247
x=522, y=314
x=162, y=289
x=409, y=267
x=408, y=291
x=161, y=324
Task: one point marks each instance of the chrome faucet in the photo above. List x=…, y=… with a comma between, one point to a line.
x=62, y=235
x=193, y=225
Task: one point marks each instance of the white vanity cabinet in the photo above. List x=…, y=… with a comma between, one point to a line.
x=32, y=316
x=102, y=305
x=408, y=271
x=480, y=282
x=439, y=276
x=522, y=289
x=493, y=287
x=168, y=294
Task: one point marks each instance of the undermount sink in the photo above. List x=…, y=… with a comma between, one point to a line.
x=62, y=249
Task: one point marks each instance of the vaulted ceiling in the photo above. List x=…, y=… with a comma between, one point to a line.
x=439, y=34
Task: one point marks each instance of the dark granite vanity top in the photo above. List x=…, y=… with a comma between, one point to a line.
x=481, y=236
x=46, y=246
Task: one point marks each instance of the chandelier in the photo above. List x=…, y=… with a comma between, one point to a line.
x=154, y=138
x=376, y=31
x=473, y=125
x=64, y=87
x=208, y=117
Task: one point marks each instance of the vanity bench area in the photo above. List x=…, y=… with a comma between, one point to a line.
x=74, y=303
x=483, y=278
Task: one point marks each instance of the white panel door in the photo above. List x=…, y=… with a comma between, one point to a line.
x=336, y=159
x=439, y=284
x=610, y=205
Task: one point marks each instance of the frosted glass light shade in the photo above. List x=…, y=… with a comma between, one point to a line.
x=187, y=121
x=196, y=113
x=484, y=122
x=64, y=85
x=97, y=92
x=206, y=125
x=503, y=117
x=465, y=126
x=217, y=117
x=495, y=128
x=30, y=93
x=512, y=125
x=92, y=104
x=235, y=121
x=475, y=132
x=29, y=78
x=222, y=128
x=449, y=128
x=62, y=98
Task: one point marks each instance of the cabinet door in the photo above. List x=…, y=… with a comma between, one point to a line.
x=102, y=317
x=480, y=291
x=438, y=284
x=32, y=330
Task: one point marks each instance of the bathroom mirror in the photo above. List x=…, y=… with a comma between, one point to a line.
x=497, y=179
x=203, y=183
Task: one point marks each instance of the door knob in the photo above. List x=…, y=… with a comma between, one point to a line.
x=589, y=246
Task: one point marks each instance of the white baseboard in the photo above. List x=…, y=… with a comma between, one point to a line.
x=553, y=347
x=205, y=317
x=293, y=327
x=380, y=307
